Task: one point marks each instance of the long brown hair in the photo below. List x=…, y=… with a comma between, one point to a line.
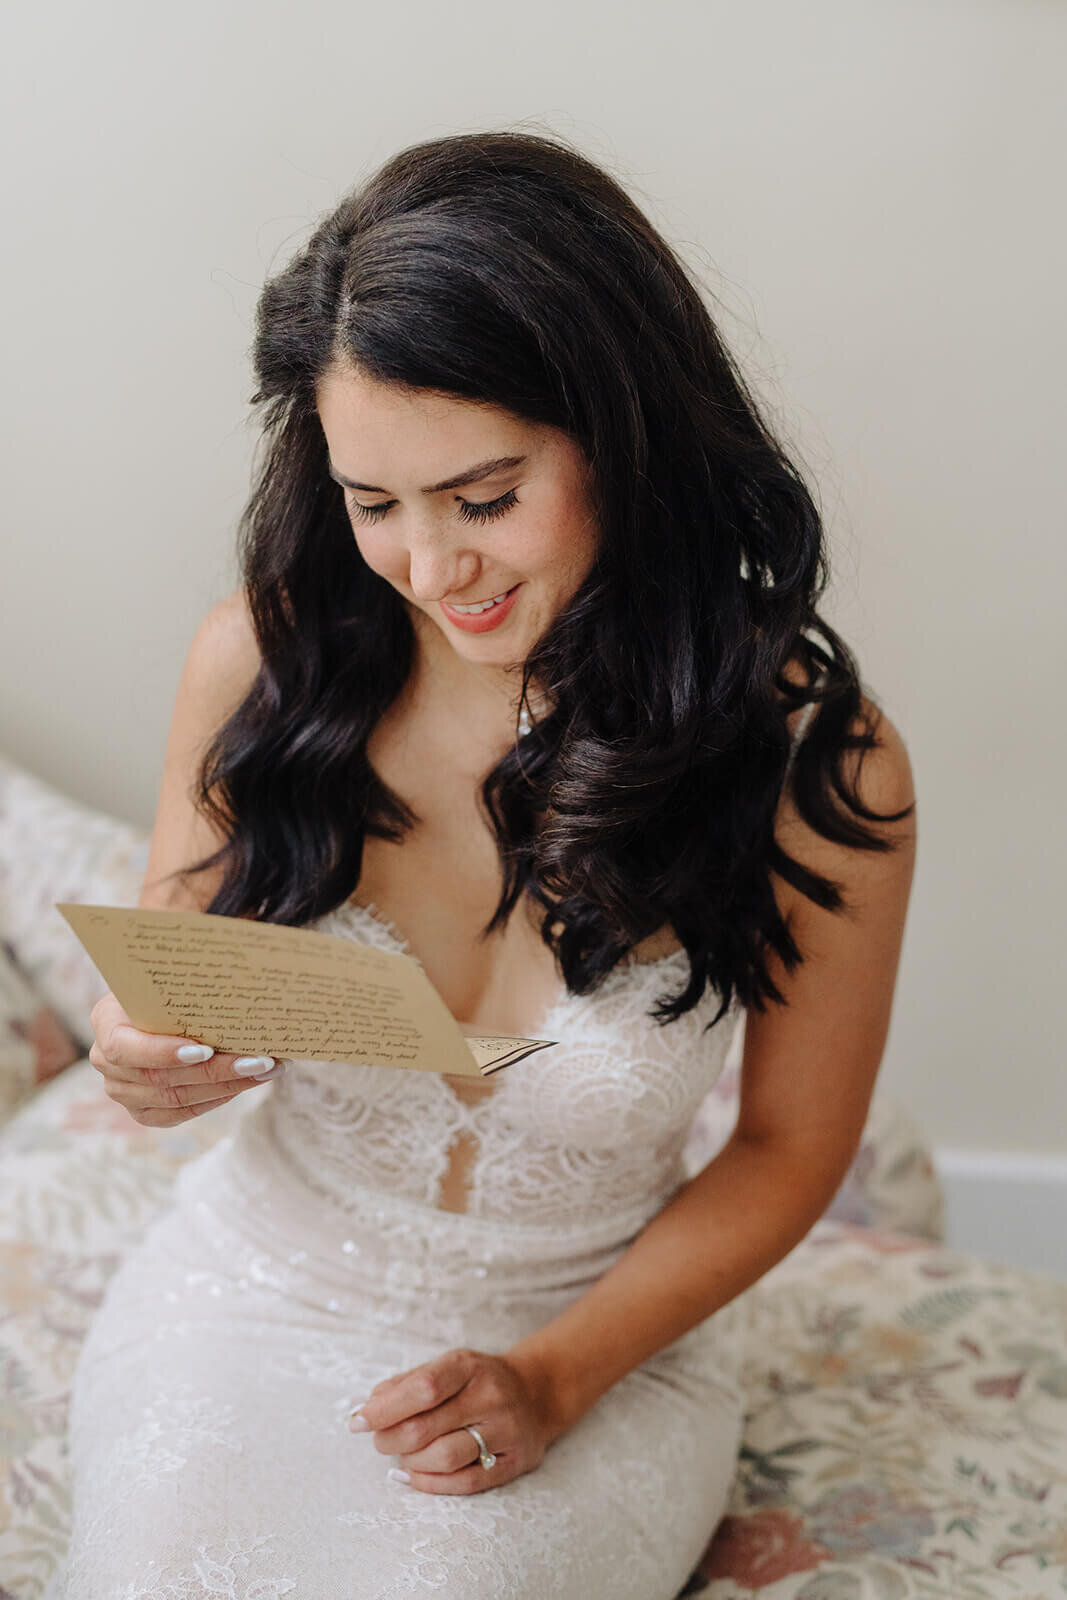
x=507, y=268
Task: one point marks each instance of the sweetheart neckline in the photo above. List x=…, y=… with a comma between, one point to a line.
x=390, y=929
x=468, y=1111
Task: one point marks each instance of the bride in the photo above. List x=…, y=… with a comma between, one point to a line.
x=524, y=678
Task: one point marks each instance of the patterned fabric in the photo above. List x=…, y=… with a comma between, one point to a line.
x=905, y=1428
x=588, y=1133
x=905, y=1405
x=54, y=849
x=316, y=1232
x=80, y=1182
x=34, y=1045
x=82, y=1186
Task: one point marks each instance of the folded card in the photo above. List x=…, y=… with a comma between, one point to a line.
x=260, y=988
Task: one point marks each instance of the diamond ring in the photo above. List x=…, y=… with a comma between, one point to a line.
x=485, y=1455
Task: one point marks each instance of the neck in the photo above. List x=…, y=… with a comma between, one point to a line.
x=475, y=691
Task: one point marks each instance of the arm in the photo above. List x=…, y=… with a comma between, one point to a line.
x=142, y=1071
x=219, y=670
x=808, y=1073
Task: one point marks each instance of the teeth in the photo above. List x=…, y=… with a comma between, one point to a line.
x=484, y=605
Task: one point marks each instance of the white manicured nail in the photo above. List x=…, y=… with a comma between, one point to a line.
x=252, y=1066
x=399, y=1474
x=194, y=1052
x=275, y=1072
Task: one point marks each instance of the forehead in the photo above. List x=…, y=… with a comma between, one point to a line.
x=369, y=425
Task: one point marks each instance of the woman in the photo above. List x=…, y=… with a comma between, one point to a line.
x=524, y=652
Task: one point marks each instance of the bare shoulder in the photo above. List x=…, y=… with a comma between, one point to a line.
x=880, y=777
x=220, y=668
x=225, y=648
x=883, y=774
x=810, y=1064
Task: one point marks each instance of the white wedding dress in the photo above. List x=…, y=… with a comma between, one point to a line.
x=309, y=1256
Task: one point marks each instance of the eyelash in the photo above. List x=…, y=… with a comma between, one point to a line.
x=470, y=510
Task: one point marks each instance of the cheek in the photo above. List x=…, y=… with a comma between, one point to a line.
x=379, y=553
x=567, y=529
x=547, y=547
x=570, y=552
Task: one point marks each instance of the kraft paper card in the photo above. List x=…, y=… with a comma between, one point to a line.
x=259, y=988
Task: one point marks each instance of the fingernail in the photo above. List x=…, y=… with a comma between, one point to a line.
x=194, y=1052
x=399, y=1474
x=251, y=1066
x=358, y=1424
x=275, y=1072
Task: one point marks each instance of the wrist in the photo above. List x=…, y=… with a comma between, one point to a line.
x=550, y=1387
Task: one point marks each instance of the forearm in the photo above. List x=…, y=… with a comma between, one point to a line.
x=719, y=1234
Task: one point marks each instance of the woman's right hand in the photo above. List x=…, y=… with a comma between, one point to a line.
x=145, y=1073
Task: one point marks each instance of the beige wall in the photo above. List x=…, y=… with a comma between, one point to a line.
x=871, y=191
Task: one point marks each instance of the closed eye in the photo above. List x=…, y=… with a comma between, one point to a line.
x=470, y=510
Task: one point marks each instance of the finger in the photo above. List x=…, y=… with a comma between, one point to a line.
x=125, y=1048
x=159, y=1083
x=159, y=1117
x=424, y=1429
x=131, y=1049
x=468, y=1480
x=198, y=1094
x=420, y=1390
x=451, y=1451
x=138, y=1098
x=130, y=1053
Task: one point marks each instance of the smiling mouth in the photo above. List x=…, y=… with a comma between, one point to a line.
x=473, y=607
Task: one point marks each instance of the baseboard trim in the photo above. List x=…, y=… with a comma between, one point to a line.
x=1006, y=1206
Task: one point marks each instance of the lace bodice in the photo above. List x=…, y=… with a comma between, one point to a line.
x=310, y=1257
x=591, y=1129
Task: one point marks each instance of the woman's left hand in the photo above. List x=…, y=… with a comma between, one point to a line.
x=420, y=1416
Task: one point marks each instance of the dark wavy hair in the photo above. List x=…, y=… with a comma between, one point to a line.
x=506, y=268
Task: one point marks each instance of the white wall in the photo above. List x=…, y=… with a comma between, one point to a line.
x=872, y=191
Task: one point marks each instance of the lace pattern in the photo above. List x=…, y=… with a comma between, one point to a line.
x=576, y=1134
x=305, y=1259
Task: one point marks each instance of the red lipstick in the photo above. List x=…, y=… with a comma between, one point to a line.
x=481, y=621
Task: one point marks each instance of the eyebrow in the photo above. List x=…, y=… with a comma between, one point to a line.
x=475, y=474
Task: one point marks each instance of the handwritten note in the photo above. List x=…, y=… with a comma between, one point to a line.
x=258, y=988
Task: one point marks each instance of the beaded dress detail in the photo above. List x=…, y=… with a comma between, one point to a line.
x=306, y=1258
x=309, y=1256
x=587, y=1133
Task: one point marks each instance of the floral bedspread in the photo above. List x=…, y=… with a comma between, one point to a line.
x=906, y=1429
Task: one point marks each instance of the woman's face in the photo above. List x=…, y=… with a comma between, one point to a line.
x=527, y=525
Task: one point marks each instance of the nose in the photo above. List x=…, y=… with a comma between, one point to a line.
x=437, y=569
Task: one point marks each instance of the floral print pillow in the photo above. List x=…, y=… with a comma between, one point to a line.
x=52, y=848
x=34, y=1044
